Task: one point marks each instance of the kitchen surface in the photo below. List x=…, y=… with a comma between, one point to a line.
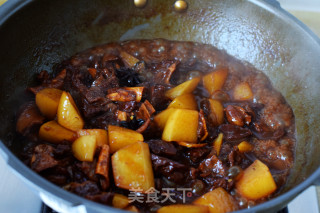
x=307, y=11
x=16, y=197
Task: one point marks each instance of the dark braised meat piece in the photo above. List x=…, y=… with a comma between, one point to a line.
x=57, y=82
x=197, y=154
x=87, y=188
x=236, y=158
x=75, y=174
x=160, y=147
x=104, y=198
x=106, y=79
x=234, y=133
x=276, y=114
x=237, y=115
x=97, y=108
x=263, y=132
x=29, y=119
x=102, y=121
x=59, y=174
x=212, y=166
x=157, y=97
x=95, y=94
x=226, y=149
x=277, y=156
x=56, y=179
x=164, y=71
x=89, y=93
x=152, y=131
x=128, y=106
x=43, y=77
x=170, y=169
x=88, y=168
x=216, y=182
x=43, y=158
x=63, y=149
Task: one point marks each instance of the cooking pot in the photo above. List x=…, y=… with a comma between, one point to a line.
x=37, y=35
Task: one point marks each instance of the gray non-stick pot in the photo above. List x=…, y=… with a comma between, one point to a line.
x=38, y=34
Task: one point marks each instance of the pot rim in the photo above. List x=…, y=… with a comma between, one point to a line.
x=33, y=179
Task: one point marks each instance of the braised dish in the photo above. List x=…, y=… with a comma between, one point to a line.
x=159, y=126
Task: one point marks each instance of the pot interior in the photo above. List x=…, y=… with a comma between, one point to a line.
x=43, y=33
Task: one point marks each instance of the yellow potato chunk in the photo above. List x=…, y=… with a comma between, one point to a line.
x=214, y=81
x=217, y=143
x=162, y=118
x=47, y=101
x=54, y=133
x=120, y=137
x=256, y=181
x=84, y=147
x=183, y=208
x=186, y=101
x=101, y=135
x=242, y=92
x=218, y=201
x=244, y=146
x=132, y=167
x=182, y=126
x=120, y=201
x=184, y=88
x=68, y=113
x=217, y=113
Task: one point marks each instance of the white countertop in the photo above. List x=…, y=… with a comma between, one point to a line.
x=307, y=11
x=15, y=196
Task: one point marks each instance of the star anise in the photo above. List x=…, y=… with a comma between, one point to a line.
x=127, y=77
x=133, y=124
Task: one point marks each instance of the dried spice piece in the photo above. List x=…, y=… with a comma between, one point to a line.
x=128, y=77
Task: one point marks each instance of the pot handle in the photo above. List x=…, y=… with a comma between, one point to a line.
x=274, y=3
